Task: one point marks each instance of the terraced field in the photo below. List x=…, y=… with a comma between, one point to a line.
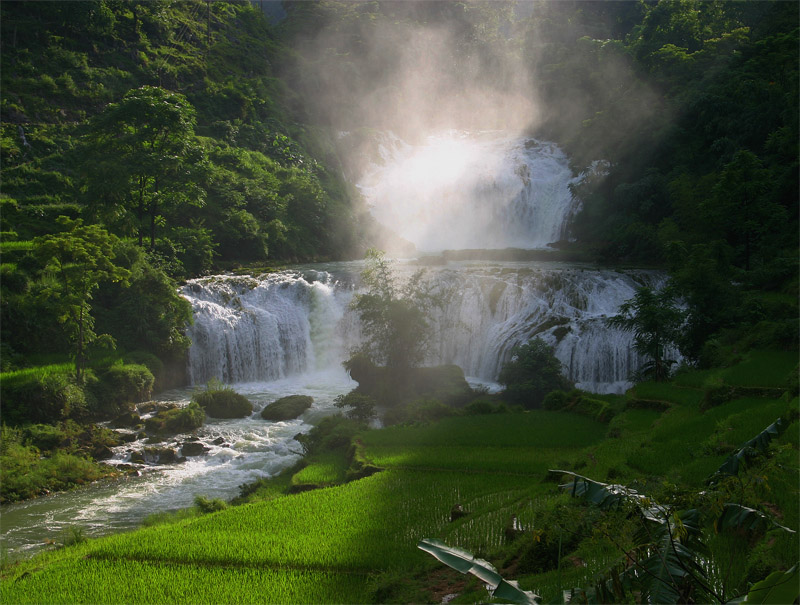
x=477, y=482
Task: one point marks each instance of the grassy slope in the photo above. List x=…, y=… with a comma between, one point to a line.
x=357, y=542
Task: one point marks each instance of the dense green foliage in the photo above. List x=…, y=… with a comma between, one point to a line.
x=531, y=373
x=655, y=321
x=394, y=315
x=41, y=458
x=129, y=113
x=158, y=131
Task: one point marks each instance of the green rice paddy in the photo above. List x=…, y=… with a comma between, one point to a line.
x=350, y=543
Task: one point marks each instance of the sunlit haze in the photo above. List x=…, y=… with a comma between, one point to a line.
x=462, y=190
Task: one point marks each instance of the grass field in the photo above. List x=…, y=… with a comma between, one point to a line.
x=476, y=482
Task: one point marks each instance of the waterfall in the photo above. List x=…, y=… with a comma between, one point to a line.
x=278, y=325
x=496, y=307
x=463, y=191
x=453, y=191
x=288, y=323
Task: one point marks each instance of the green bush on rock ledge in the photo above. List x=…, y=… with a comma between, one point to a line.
x=176, y=420
x=220, y=401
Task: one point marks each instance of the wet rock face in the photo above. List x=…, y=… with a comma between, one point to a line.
x=165, y=455
x=193, y=448
x=155, y=455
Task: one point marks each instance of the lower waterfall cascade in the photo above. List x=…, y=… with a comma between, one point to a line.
x=261, y=329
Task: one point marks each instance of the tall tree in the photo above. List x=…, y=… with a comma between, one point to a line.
x=655, y=321
x=531, y=373
x=144, y=160
x=741, y=208
x=78, y=259
x=394, y=315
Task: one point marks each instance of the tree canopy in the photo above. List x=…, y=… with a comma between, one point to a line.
x=77, y=260
x=532, y=372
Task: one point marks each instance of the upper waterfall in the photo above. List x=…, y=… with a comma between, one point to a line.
x=460, y=190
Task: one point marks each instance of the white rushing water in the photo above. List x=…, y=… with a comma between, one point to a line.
x=283, y=324
x=461, y=190
x=289, y=332
x=305, y=324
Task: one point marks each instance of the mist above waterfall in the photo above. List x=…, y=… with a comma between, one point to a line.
x=429, y=72
x=412, y=67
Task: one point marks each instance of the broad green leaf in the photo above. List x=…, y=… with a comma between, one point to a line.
x=465, y=562
x=736, y=516
x=458, y=559
x=778, y=588
x=750, y=449
x=611, y=495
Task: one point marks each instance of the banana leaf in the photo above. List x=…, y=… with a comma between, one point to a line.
x=748, y=451
x=611, y=495
x=778, y=588
x=465, y=562
x=736, y=516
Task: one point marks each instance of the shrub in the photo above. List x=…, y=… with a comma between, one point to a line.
x=333, y=433
x=287, y=408
x=220, y=401
x=419, y=411
x=531, y=374
x=41, y=395
x=44, y=436
x=577, y=402
x=593, y=408
x=555, y=400
x=208, y=505
x=479, y=407
x=362, y=407
x=25, y=474
x=153, y=363
x=130, y=383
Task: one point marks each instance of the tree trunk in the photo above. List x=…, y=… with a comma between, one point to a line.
x=153, y=214
x=79, y=349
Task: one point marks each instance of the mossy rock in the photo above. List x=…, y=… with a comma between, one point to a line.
x=194, y=448
x=177, y=420
x=287, y=408
x=224, y=403
x=127, y=420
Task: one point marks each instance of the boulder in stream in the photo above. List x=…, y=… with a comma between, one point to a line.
x=193, y=448
x=224, y=403
x=287, y=408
